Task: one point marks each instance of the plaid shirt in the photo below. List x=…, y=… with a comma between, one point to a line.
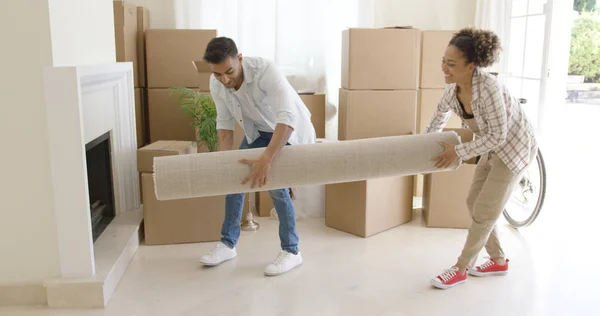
x=504, y=126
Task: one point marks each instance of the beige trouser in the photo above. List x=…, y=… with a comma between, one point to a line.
x=492, y=186
x=493, y=183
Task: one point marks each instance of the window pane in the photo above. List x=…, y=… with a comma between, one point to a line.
x=516, y=46
x=536, y=6
x=531, y=92
x=514, y=86
x=519, y=7
x=534, y=49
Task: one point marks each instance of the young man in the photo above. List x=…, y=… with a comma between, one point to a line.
x=253, y=92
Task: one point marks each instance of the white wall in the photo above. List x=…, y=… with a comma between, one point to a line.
x=425, y=15
x=82, y=38
x=162, y=12
x=28, y=245
x=36, y=34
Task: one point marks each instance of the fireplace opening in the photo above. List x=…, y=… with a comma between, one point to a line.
x=100, y=184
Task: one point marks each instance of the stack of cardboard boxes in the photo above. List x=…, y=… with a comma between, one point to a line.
x=130, y=22
x=432, y=85
x=169, y=56
x=378, y=98
x=445, y=193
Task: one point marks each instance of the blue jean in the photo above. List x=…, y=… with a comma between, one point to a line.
x=234, y=207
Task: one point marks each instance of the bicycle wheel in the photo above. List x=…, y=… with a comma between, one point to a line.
x=527, y=199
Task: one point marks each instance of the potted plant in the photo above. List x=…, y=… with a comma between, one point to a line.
x=200, y=107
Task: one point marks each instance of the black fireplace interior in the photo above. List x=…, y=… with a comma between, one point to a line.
x=100, y=184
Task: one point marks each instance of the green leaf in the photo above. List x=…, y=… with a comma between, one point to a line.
x=201, y=110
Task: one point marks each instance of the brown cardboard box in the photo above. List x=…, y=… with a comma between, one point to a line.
x=386, y=59
x=445, y=193
x=146, y=154
x=166, y=119
x=465, y=136
x=181, y=221
x=368, y=114
x=170, y=55
x=203, y=70
x=264, y=204
x=434, y=45
x=428, y=102
x=445, y=197
x=140, y=120
x=316, y=104
x=125, y=20
x=143, y=24
x=365, y=208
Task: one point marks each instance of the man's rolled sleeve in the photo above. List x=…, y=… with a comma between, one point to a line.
x=279, y=95
x=224, y=116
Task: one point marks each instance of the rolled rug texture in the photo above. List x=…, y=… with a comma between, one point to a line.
x=221, y=173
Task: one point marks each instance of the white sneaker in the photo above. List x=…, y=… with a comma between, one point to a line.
x=284, y=262
x=218, y=255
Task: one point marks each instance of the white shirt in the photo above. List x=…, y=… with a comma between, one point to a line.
x=249, y=111
x=269, y=100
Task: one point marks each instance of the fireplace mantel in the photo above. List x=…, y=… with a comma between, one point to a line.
x=82, y=103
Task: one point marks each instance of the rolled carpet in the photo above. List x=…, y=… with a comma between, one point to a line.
x=221, y=173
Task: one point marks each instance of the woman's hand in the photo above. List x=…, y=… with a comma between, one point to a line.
x=445, y=159
x=259, y=173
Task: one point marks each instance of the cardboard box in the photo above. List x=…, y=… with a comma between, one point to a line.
x=181, y=221
x=264, y=204
x=428, y=102
x=433, y=47
x=465, y=136
x=386, y=59
x=170, y=55
x=368, y=113
x=166, y=119
x=316, y=104
x=366, y=208
x=125, y=20
x=143, y=24
x=146, y=154
x=140, y=120
x=445, y=197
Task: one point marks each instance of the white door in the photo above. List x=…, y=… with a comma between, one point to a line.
x=527, y=50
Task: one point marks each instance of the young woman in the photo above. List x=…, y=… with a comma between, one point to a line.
x=505, y=142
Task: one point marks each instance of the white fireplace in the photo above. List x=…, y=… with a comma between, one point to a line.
x=84, y=103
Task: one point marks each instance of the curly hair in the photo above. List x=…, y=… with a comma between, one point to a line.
x=479, y=46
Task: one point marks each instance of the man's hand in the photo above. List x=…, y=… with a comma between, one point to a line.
x=445, y=159
x=259, y=173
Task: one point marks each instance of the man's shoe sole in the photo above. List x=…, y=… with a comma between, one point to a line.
x=280, y=273
x=213, y=264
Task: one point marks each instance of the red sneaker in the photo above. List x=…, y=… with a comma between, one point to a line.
x=449, y=278
x=490, y=268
